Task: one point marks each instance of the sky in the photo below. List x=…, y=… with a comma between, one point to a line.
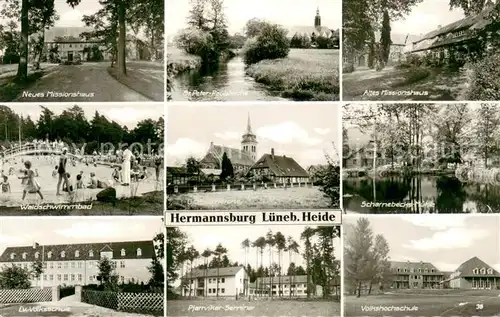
x=65, y=230
x=287, y=13
x=302, y=131
x=446, y=241
x=426, y=17
x=231, y=237
x=125, y=114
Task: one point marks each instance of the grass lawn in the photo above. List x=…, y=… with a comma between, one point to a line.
x=11, y=88
x=427, y=303
x=233, y=308
x=291, y=198
x=179, y=61
x=148, y=204
x=306, y=74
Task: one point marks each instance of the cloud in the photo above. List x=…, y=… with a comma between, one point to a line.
x=228, y=135
x=312, y=157
x=452, y=238
x=404, y=258
x=286, y=133
x=322, y=131
x=130, y=116
x=437, y=222
x=72, y=18
x=11, y=240
x=185, y=147
x=104, y=229
x=445, y=266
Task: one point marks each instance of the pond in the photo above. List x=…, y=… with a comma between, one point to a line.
x=419, y=194
x=226, y=82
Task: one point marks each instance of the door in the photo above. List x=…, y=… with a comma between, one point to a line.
x=70, y=56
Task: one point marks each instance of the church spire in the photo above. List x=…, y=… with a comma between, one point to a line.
x=249, y=125
x=317, y=19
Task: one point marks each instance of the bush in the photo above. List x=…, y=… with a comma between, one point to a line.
x=300, y=41
x=414, y=60
x=196, y=42
x=271, y=43
x=347, y=68
x=484, y=79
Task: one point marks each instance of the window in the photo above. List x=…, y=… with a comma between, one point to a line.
x=122, y=252
x=122, y=264
x=80, y=264
x=12, y=256
x=432, y=270
x=475, y=271
x=49, y=254
x=77, y=254
x=24, y=255
x=490, y=271
x=66, y=265
x=51, y=265
x=91, y=253
x=483, y=271
x=209, y=291
x=223, y=280
x=58, y=277
x=80, y=277
x=73, y=265
x=72, y=277
x=59, y=265
x=25, y=265
x=65, y=277
x=63, y=254
x=139, y=252
x=51, y=277
x=44, y=277
x=37, y=255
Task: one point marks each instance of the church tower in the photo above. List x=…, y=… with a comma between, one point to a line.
x=317, y=19
x=249, y=141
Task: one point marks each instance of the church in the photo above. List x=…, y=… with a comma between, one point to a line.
x=312, y=31
x=242, y=159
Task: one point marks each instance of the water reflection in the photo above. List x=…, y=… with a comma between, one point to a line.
x=224, y=82
x=419, y=194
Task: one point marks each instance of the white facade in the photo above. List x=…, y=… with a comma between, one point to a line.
x=229, y=285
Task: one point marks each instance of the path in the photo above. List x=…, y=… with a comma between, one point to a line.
x=88, y=79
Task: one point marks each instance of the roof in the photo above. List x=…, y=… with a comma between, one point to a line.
x=309, y=30
x=211, y=171
x=466, y=268
x=51, y=34
x=223, y=271
x=400, y=39
x=286, y=279
x=415, y=266
x=236, y=156
x=177, y=170
x=281, y=166
x=130, y=247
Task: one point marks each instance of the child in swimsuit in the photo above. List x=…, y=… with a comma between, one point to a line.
x=30, y=184
x=5, y=184
x=54, y=172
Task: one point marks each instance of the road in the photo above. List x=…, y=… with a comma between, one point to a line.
x=89, y=82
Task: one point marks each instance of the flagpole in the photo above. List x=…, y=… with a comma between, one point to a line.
x=20, y=124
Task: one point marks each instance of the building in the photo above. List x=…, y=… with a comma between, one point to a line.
x=241, y=159
x=415, y=275
x=457, y=38
x=280, y=169
x=475, y=274
x=312, y=31
x=294, y=286
x=67, y=44
x=77, y=264
x=230, y=281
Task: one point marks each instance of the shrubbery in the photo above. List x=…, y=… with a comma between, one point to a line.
x=347, y=68
x=196, y=42
x=485, y=79
x=271, y=43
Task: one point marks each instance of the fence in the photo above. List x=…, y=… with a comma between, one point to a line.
x=176, y=189
x=151, y=303
x=30, y=295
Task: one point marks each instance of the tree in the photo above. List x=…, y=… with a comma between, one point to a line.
x=306, y=235
x=271, y=43
x=218, y=252
x=270, y=242
x=41, y=17
x=245, y=244
x=486, y=131
x=358, y=244
x=104, y=29
x=176, y=241
x=293, y=248
x=254, y=27
x=150, y=16
x=157, y=273
x=191, y=254
x=206, y=254
x=193, y=166
x=260, y=245
x=470, y=7
x=227, y=168
x=15, y=277
x=385, y=37
x=107, y=275
x=280, y=242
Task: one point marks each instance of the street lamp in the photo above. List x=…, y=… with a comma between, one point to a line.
x=36, y=245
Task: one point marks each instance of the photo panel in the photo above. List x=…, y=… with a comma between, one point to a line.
x=78, y=51
x=235, y=50
x=421, y=158
x=421, y=265
x=99, y=266
x=82, y=159
x=422, y=50
x=261, y=156
x=253, y=267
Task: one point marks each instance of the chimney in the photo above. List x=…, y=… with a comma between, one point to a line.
x=272, y=153
x=211, y=144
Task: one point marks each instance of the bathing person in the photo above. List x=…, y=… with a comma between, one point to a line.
x=61, y=170
x=127, y=159
x=30, y=184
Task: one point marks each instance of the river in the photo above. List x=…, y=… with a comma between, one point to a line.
x=226, y=83
x=419, y=194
